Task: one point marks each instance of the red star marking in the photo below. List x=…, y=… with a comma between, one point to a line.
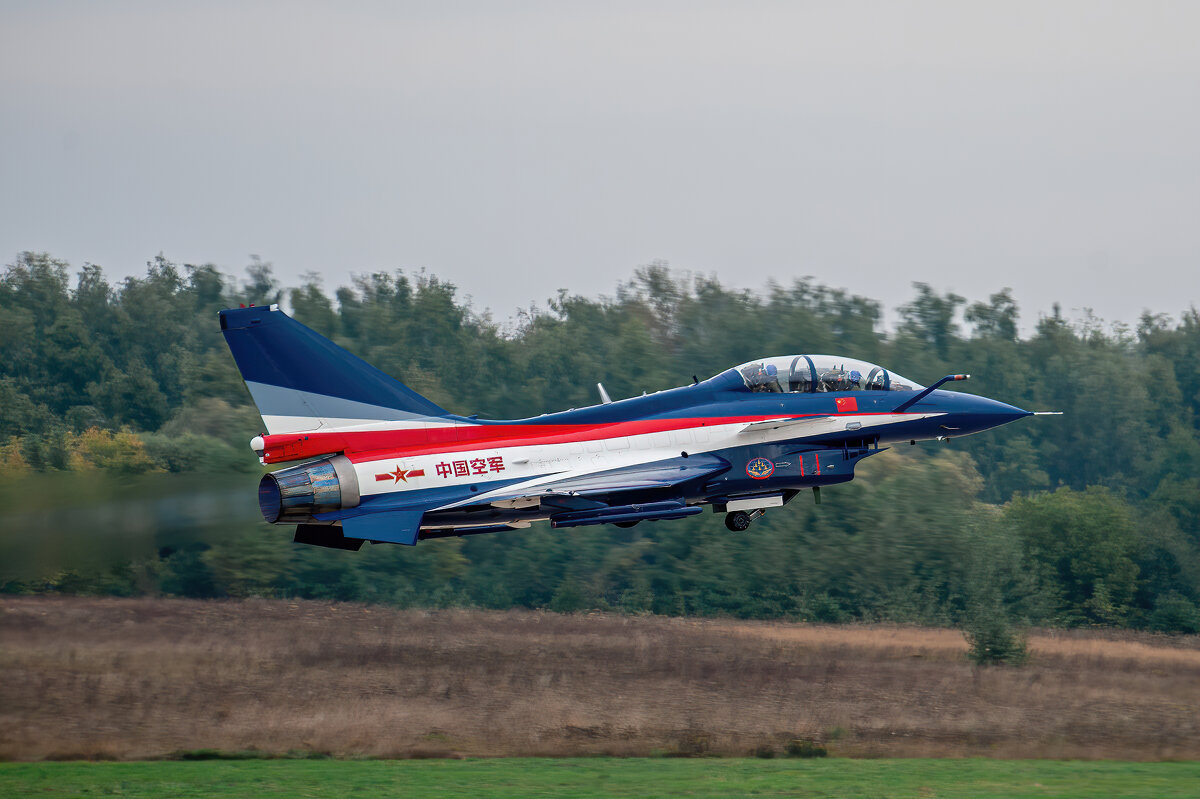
x=397, y=476
x=400, y=474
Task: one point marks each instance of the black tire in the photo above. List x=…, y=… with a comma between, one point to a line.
x=738, y=521
x=625, y=524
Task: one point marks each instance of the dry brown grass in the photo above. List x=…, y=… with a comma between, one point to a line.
x=142, y=678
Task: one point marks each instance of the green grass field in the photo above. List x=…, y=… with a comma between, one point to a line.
x=596, y=777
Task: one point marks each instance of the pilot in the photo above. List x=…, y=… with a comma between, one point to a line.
x=771, y=383
x=759, y=378
x=841, y=380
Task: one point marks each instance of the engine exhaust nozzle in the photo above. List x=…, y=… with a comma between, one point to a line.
x=293, y=496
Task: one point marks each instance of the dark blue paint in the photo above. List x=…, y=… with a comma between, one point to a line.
x=396, y=527
x=272, y=348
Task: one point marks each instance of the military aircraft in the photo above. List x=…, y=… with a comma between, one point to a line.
x=381, y=463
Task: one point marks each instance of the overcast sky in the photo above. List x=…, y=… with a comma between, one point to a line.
x=516, y=148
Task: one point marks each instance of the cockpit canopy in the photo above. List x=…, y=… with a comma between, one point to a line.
x=819, y=373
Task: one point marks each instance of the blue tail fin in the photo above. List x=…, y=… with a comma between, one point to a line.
x=301, y=380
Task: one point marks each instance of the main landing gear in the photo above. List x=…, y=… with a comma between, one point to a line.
x=739, y=521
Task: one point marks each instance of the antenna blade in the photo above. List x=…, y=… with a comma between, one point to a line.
x=604, y=398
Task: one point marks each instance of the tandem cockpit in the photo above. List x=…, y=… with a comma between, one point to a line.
x=808, y=374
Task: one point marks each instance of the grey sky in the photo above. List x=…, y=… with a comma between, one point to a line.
x=517, y=148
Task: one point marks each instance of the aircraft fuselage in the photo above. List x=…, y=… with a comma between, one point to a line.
x=384, y=466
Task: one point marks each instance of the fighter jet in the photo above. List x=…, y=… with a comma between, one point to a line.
x=381, y=463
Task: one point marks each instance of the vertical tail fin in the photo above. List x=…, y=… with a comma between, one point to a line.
x=301, y=380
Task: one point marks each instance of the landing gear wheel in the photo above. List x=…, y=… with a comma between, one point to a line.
x=625, y=524
x=738, y=521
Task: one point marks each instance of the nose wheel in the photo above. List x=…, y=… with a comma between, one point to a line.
x=739, y=521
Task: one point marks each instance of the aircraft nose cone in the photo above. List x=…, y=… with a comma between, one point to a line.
x=1009, y=412
x=984, y=413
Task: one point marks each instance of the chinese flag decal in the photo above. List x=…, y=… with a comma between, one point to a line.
x=845, y=404
x=400, y=474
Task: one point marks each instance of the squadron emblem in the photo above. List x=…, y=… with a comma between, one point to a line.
x=760, y=468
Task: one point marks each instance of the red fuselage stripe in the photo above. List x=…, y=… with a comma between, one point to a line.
x=367, y=446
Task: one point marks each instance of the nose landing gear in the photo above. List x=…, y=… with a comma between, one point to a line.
x=739, y=521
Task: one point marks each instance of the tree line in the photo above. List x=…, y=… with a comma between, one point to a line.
x=1088, y=518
